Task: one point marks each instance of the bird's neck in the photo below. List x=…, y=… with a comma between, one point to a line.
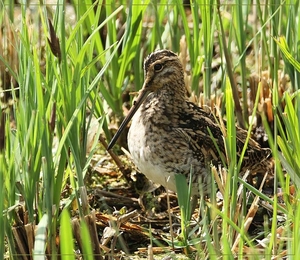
x=170, y=94
x=164, y=102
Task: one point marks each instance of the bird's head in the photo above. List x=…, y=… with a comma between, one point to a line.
x=162, y=68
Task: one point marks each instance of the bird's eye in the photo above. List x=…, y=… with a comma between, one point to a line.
x=157, y=67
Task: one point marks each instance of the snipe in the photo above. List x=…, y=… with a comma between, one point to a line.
x=169, y=134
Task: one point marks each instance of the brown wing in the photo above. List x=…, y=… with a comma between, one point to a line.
x=194, y=127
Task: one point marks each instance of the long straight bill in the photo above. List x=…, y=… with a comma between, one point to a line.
x=142, y=96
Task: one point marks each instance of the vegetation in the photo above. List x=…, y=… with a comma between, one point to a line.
x=67, y=68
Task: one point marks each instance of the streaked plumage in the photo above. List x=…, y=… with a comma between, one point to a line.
x=169, y=134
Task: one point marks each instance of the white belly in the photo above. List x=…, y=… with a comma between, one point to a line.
x=144, y=156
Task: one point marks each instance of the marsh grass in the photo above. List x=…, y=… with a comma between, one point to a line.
x=56, y=98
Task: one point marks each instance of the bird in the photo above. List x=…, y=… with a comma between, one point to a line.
x=170, y=135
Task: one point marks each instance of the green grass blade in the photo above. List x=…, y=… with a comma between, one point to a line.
x=282, y=44
x=66, y=237
x=86, y=241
